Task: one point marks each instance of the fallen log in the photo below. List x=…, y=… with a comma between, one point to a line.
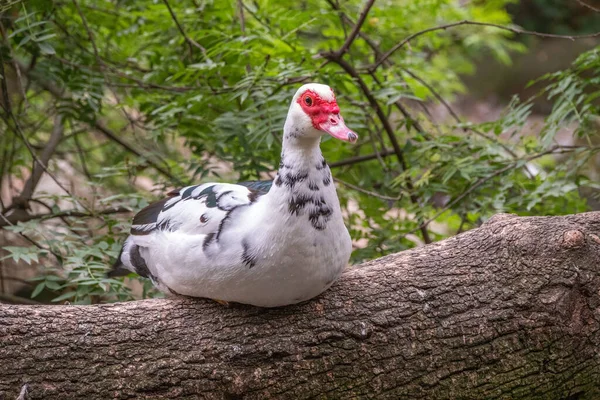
x=508, y=310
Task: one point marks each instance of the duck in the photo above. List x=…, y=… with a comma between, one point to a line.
x=263, y=243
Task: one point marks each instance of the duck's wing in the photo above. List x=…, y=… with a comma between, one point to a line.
x=195, y=210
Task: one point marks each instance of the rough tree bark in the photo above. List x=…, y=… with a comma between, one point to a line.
x=508, y=310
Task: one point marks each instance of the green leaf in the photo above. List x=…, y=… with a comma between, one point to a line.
x=38, y=289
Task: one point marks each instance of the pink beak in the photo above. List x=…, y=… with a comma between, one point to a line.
x=335, y=126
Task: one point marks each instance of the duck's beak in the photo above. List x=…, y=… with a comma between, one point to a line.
x=335, y=126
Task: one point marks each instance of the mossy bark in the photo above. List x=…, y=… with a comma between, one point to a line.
x=509, y=310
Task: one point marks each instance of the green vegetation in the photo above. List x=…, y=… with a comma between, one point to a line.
x=118, y=96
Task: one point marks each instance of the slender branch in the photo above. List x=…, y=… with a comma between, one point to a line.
x=140, y=83
x=14, y=62
x=26, y=237
x=454, y=115
x=191, y=42
x=368, y=192
x=356, y=30
x=61, y=214
x=476, y=23
x=115, y=138
x=359, y=159
x=242, y=17
x=89, y=32
x=56, y=92
x=386, y=125
x=37, y=171
x=589, y=6
x=481, y=181
x=378, y=53
x=17, y=128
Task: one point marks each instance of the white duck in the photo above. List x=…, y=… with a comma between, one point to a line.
x=255, y=242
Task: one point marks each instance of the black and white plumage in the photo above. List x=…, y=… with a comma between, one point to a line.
x=262, y=243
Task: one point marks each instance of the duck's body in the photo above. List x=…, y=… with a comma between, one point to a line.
x=249, y=243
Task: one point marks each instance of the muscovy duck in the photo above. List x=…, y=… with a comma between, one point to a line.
x=265, y=243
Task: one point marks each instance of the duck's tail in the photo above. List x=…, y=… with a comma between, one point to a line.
x=122, y=265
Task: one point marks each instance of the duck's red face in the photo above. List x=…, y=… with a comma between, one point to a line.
x=325, y=115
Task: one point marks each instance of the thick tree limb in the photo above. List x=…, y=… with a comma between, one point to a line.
x=508, y=310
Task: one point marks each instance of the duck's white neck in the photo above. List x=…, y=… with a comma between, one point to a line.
x=304, y=181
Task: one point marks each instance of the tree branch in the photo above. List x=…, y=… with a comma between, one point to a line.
x=56, y=92
x=466, y=22
x=62, y=214
x=472, y=188
x=507, y=310
x=56, y=136
x=191, y=43
x=588, y=6
x=386, y=125
x=89, y=33
x=356, y=30
x=359, y=159
x=368, y=192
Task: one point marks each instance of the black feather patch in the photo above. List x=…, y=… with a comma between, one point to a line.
x=253, y=195
x=118, y=269
x=139, y=263
x=297, y=203
x=290, y=179
x=211, y=197
x=313, y=186
x=248, y=257
x=322, y=164
x=320, y=216
x=262, y=187
x=208, y=240
x=149, y=214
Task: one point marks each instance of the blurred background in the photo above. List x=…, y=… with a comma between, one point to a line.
x=108, y=104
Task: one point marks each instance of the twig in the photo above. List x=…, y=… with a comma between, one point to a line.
x=89, y=33
x=486, y=179
x=588, y=6
x=454, y=114
x=378, y=53
x=140, y=83
x=368, y=192
x=26, y=237
x=115, y=138
x=56, y=92
x=37, y=171
x=62, y=214
x=242, y=17
x=467, y=22
x=355, y=31
x=436, y=94
x=191, y=42
x=359, y=159
x=17, y=128
x=386, y=125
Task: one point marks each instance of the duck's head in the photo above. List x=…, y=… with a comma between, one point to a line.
x=315, y=112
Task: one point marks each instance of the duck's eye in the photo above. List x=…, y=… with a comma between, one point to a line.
x=308, y=101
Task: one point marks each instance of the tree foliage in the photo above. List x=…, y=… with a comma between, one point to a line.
x=119, y=96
